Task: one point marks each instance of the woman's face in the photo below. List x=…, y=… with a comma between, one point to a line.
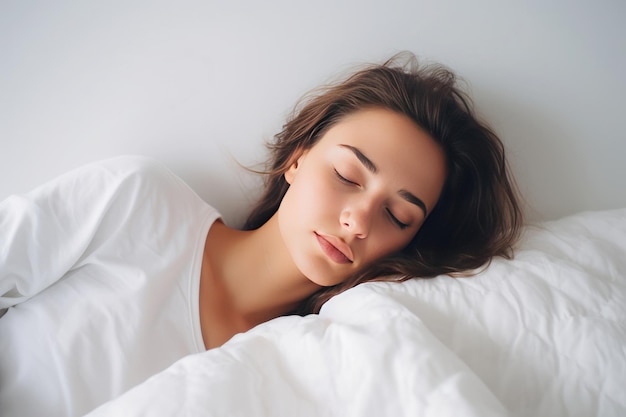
x=359, y=194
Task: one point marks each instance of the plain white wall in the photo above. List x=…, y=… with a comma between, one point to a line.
x=201, y=84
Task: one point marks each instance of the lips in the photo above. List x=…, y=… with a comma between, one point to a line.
x=335, y=248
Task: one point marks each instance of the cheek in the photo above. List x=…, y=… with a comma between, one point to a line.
x=385, y=242
x=313, y=196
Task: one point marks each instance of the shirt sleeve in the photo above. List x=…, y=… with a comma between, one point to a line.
x=45, y=232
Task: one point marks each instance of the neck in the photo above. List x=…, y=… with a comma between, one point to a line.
x=256, y=272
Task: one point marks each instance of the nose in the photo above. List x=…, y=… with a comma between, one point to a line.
x=356, y=219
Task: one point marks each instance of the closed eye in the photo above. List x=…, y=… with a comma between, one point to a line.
x=395, y=220
x=344, y=179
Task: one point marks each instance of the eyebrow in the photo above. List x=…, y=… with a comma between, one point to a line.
x=407, y=195
x=361, y=157
x=413, y=199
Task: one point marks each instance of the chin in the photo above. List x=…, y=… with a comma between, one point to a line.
x=325, y=282
x=328, y=278
x=318, y=269
x=321, y=276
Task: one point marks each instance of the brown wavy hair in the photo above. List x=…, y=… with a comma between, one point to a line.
x=477, y=216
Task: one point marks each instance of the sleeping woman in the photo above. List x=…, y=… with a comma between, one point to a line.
x=112, y=272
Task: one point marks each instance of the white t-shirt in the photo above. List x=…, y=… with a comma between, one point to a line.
x=100, y=272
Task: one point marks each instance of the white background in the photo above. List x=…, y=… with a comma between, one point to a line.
x=201, y=84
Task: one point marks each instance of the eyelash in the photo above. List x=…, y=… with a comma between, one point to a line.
x=398, y=223
x=393, y=218
x=344, y=179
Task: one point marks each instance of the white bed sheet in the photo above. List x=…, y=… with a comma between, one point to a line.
x=541, y=335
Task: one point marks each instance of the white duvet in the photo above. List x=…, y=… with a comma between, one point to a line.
x=541, y=335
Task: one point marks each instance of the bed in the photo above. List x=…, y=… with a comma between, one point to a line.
x=198, y=84
x=543, y=334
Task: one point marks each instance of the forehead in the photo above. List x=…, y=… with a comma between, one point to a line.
x=381, y=132
x=379, y=126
